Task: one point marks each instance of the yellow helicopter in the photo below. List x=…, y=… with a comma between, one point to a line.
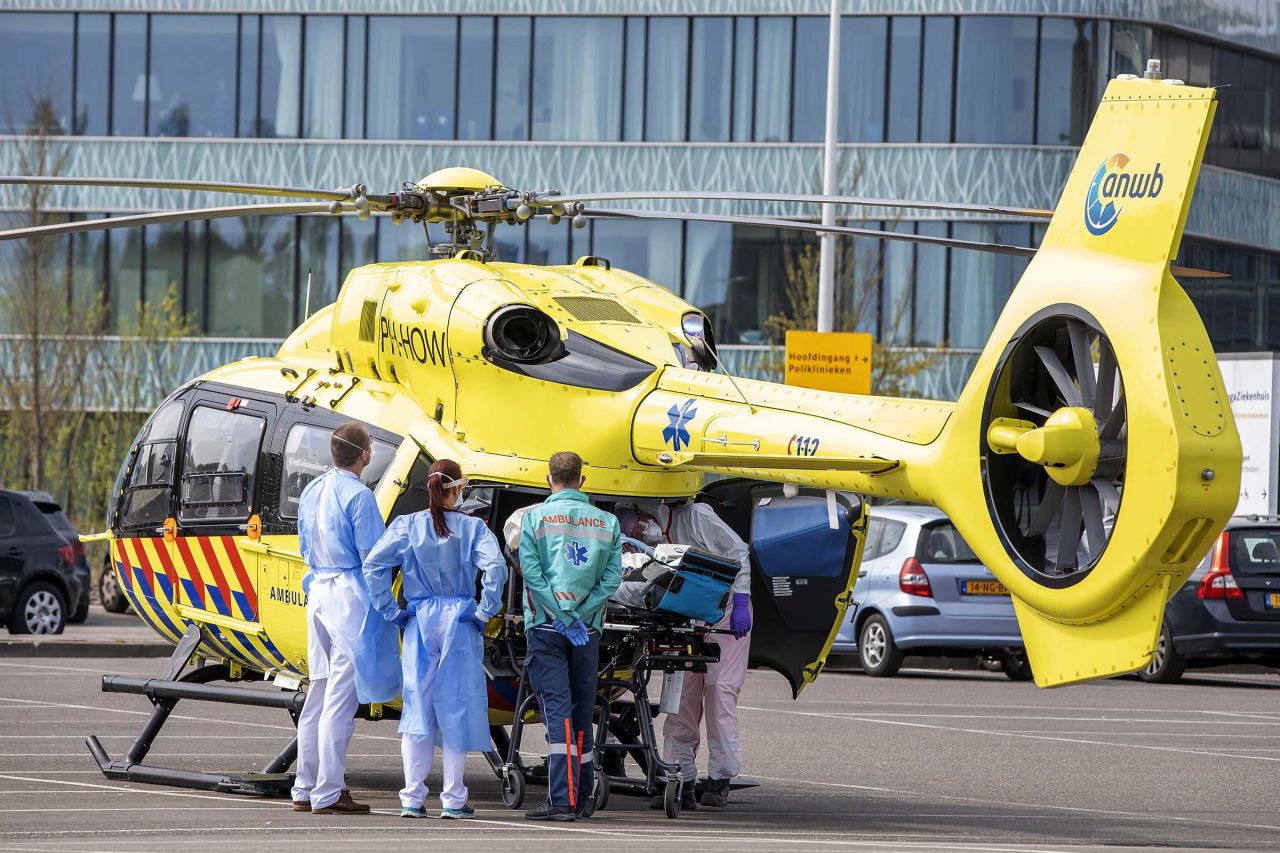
x=1089, y=462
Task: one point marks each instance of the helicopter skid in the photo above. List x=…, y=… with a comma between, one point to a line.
x=164, y=693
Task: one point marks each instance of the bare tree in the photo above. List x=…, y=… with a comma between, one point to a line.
x=51, y=332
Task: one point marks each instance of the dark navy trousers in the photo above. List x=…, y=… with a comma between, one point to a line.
x=564, y=678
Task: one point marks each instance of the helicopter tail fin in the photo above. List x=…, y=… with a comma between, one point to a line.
x=1096, y=418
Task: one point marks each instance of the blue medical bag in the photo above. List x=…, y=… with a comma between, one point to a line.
x=697, y=587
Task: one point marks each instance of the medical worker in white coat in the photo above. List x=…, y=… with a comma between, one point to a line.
x=710, y=697
x=350, y=648
x=440, y=552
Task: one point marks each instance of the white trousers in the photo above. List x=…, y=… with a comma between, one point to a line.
x=334, y=617
x=419, y=753
x=712, y=696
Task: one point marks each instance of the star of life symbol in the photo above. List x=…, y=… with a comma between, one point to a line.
x=675, y=433
x=575, y=553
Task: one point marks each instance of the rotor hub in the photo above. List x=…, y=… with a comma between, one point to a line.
x=1067, y=446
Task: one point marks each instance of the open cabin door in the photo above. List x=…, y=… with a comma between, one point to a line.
x=802, y=569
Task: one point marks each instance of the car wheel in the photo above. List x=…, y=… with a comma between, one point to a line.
x=1166, y=665
x=113, y=600
x=40, y=608
x=1016, y=666
x=877, y=652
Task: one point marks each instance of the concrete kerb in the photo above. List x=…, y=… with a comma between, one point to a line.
x=56, y=647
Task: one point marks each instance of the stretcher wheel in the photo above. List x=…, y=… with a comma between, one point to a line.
x=671, y=798
x=513, y=788
x=601, y=791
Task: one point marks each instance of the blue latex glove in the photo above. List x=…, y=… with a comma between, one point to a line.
x=740, y=616
x=576, y=633
x=402, y=618
x=469, y=617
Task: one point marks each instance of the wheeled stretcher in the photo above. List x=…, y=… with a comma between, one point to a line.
x=634, y=645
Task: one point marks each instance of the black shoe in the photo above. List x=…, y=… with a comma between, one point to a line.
x=716, y=793
x=563, y=814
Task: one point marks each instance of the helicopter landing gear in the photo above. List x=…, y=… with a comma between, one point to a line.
x=165, y=692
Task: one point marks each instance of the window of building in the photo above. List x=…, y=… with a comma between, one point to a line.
x=475, y=78
x=93, y=75
x=899, y=273
x=809, y=80
x=280, y=76
x=1130, y=48
x=319, y=245
x=322, y=77
x=935, y=87
x=667, y=83
x=650, y=249
x=548, y=244
x=164, y=248
x=996, y=82
x=904, y=79
x=982, y=281
x=129, y=76
x=35, y=64
x=744, y=64
x=511, y=87
x=251, y=277
x=353, y=79
x=633, y=79
x=183, y=103
x=773, y=79
x=219, y=465
x=577, y=78
x=412, y=69
x=930, y=288
x=124, y=276
x=250, y=44
x=711, y=79
x=1068, y=67
x=863, y=47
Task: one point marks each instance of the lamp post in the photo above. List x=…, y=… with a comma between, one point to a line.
x=827, y=256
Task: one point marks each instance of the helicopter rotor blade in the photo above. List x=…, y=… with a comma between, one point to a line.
x=340, y=194
x=196, y=214
x=544, y=199
x=796, y=225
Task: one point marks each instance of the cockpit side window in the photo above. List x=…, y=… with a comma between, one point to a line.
x=307, y=455
x=219, y=466
x=146, y=489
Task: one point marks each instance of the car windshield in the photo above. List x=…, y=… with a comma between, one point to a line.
x=942, y=543
x=1255, y=550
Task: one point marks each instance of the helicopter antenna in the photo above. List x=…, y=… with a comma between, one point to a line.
x=306, y=310
x=720, y=364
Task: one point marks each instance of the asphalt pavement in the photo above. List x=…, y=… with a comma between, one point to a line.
x=923, y=762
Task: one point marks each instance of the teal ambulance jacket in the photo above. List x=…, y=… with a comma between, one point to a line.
x=571, y=558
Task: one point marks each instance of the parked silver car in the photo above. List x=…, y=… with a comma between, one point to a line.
x=921, y=590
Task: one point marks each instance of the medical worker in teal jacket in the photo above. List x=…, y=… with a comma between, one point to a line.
x=440, y=552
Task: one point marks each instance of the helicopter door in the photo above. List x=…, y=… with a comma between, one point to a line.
x=802, y=569
x=217, y=501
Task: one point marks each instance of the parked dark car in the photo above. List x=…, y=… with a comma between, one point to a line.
x=109, y=592
x=1228, y=611
x=44, y=576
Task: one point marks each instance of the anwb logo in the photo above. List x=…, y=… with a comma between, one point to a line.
x=1112, y=184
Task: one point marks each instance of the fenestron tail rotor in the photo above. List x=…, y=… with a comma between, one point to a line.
x=1056, y=447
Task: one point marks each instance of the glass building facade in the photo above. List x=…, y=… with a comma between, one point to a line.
x=262, y=96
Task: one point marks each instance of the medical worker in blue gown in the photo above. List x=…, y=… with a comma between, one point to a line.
x=440, y=551
x=350, y=648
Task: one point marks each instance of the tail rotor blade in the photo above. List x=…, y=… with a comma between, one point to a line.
x=1069, y=532
x=1048, y=508
x=1070, y=393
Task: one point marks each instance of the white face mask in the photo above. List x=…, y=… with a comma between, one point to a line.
x=649, y=532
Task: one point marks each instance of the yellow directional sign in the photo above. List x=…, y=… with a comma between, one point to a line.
x=830, y=361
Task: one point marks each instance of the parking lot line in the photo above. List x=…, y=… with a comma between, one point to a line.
x=1046, y=737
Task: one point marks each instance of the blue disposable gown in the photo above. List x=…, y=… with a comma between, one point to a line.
x=338, y=523
x=444, y=683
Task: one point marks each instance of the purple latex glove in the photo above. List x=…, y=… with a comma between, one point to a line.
x=740, y=616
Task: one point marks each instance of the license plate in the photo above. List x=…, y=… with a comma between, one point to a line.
x=1273, y=599
x=983, y=588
